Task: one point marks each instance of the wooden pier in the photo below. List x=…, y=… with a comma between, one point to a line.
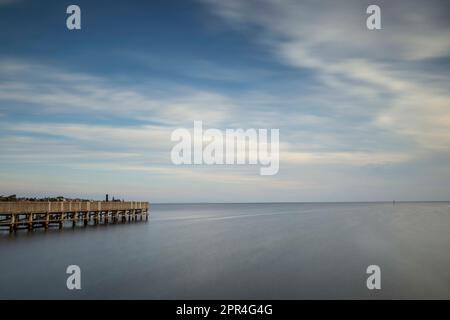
x=40, y=214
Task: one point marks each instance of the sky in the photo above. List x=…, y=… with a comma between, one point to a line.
x=363, y=115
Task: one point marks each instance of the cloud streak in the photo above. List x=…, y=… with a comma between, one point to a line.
x=383, y=65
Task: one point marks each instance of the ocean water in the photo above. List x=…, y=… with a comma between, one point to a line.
x=240, y=251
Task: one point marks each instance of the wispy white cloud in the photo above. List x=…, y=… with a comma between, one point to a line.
x=332, y=40
x=347, y=158
x=61, y=92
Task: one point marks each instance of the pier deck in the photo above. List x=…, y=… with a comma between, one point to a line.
x=40, y=214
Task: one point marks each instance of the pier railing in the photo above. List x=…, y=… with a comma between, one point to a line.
x=24, y=207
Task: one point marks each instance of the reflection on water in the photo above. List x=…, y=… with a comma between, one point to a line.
x=240, y=251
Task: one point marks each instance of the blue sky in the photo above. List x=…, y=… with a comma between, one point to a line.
x=363, y=115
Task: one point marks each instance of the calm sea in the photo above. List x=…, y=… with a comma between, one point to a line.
x=239, y=251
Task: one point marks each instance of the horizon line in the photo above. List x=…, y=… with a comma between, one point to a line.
x=306, y=202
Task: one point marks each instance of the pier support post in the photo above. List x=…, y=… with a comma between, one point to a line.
x=30, y=222
x=13, y=223
x=86, y=217
x=74, y=219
